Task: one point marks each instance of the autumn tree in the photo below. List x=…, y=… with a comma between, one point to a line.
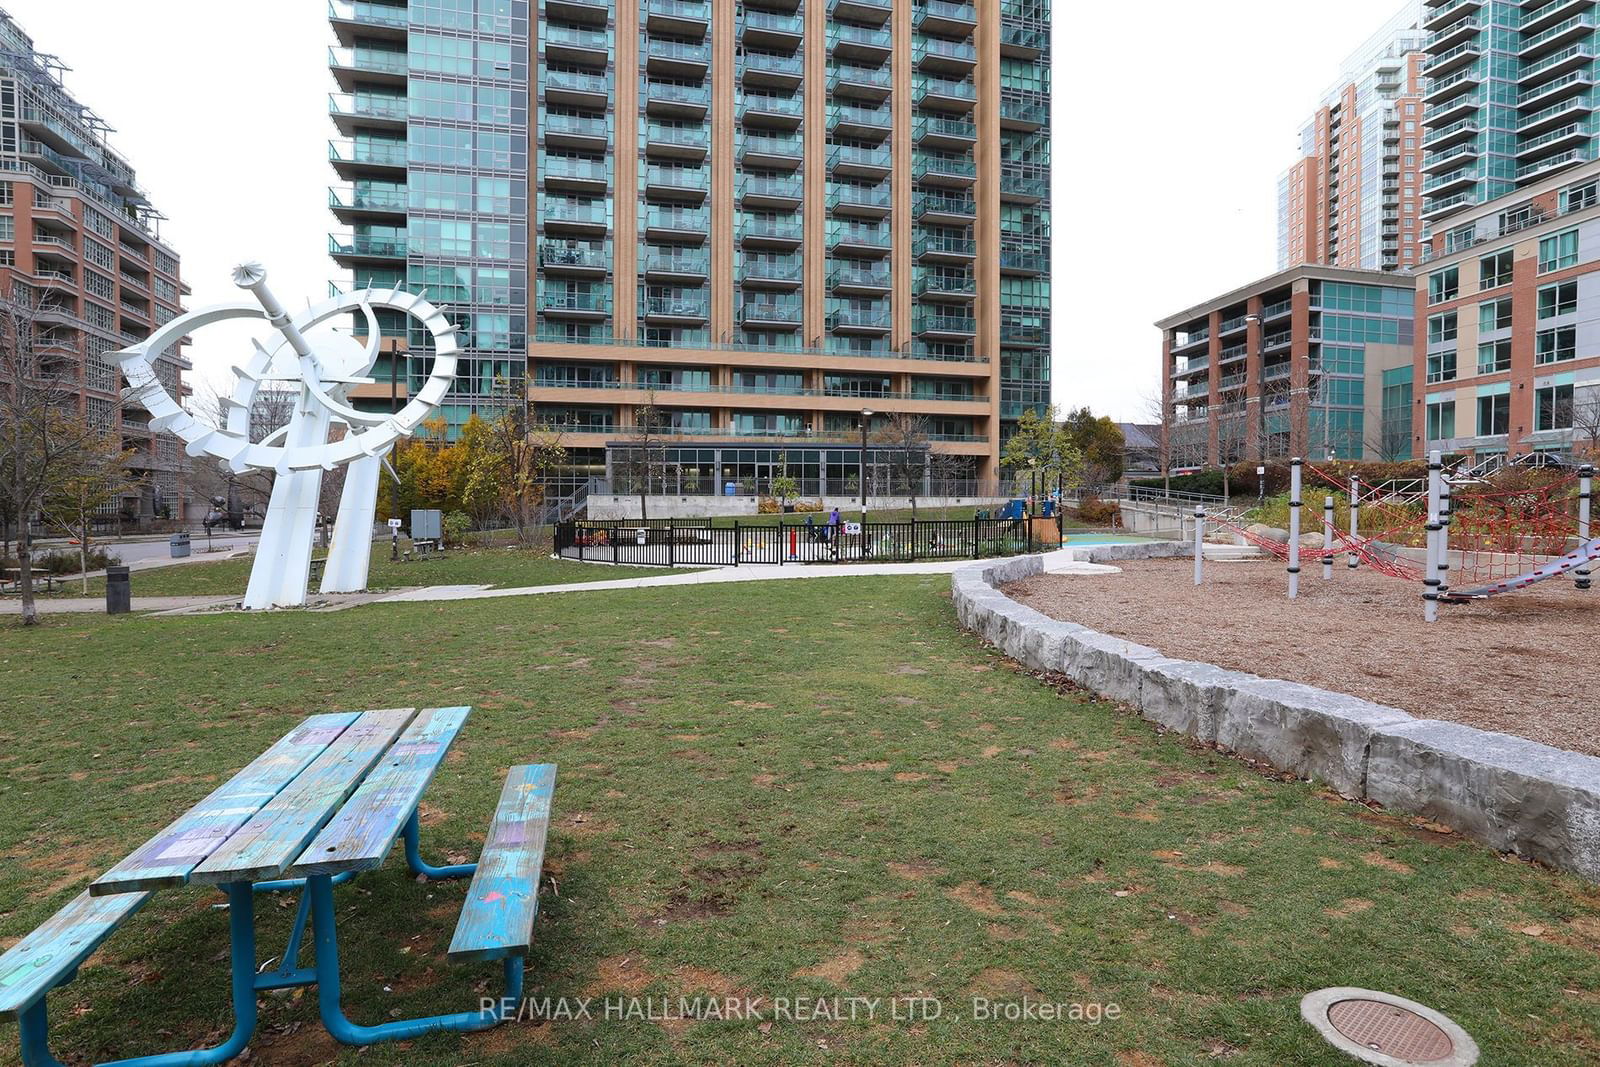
x=91, y=478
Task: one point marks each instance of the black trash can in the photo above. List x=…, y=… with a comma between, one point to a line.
x=119, y=593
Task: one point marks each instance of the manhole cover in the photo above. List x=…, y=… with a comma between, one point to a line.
x=1391, y=1030
x=1386, y=1030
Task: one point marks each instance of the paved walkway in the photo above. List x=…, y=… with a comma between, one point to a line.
x=1062, y=561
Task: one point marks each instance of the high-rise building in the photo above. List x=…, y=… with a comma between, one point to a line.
x=756, y=219
x=1353, y=199
x=81, y=245
x=1510, y=98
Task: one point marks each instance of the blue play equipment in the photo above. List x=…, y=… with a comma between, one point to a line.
x=1014, y=510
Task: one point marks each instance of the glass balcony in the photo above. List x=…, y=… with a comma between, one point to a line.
x=568, y=38
x=576, y=87
x=368, y=153
x=672, y=220
x=933, y=53
x=580, y=302
x=372, y=107
x=684, y=182
x=589, y=11
x=777, y=312
x=672, y=98
x=952, y=169
x=365, y=60
x=678, y=306
x=853, y=159
x=860, y=42
x=695, y=263
x=366, y=246
x=777, y=230
x=767, y=270
x=683, y=17
x=782, y=111
x=951, y=324
x=588, y=129
x=872, y=319
x=573, y=257
x=682, y=142
x=776, y=28
x=943, y=205
x=1023, y=114
x=935, y=245
x=865, y=82
x=875, y=11
x=361, y=197
x=866, y=279
x=369, y=14
x=1023, y=42
x=575, y=170
x=1021, y=261
x=586, y=214
x=945, y=92
x=858, y=237
x=870, y=197
x=772, y=67
x=785, y=152
x=944, y=130
x=1023, y=186
x=678, y=56
x=764, y=187
x=948, y=286
x=870, y=123
x=944, y=16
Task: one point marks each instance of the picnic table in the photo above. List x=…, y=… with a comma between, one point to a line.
x=324, y=804
x=13, y=583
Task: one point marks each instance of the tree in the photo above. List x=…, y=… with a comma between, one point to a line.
x=1041, y=449
x=1100, y=442
x=93, y=477
x=644, y=461
x=250, y=491
x=526, y=459
x=906, y=437
x=481, y=465
x=42, y=434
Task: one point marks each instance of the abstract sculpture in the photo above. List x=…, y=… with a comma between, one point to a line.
x=325, y=367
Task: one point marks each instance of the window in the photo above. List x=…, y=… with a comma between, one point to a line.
x=1442, y=420
x=1578, y=197
x=1558, y=252
x=1445, y=285
x=1494, y=315
x=1494, y=357
x=1442, y=367
x=1552, y=408
x=1561, y=299
x=1495, y=270
x=1555, y=346
x=1494, y=415
x=1442, y=328
x=8, y=228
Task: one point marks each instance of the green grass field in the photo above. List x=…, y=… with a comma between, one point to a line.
x=792, y=789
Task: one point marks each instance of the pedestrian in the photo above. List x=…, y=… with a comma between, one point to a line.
x=834, y=530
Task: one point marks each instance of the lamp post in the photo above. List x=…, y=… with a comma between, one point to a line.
x=866, y=413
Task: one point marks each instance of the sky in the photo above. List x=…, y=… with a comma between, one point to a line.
x=1168, y=143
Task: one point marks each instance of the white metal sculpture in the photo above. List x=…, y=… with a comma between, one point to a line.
x=325, y=367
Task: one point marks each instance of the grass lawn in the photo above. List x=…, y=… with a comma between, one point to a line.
x=792, y=789
x=504, y=566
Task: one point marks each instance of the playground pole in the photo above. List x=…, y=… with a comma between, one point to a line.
x=1294, y=527
x=1430, y=570
x=1446, y=505
x=1585, y=496
x=1327, y=538
x=1355, y=522
x=1199, y=544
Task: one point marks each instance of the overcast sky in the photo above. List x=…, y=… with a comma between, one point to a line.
x=1173, y=121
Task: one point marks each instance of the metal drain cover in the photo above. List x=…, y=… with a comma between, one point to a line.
x=1386, y=1030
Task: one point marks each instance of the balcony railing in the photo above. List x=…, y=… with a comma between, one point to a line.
x=373, y=153
x=569, y=254
x=869, y=196
x=677, y=307
x=775, y=311
x=860, y=318
x=772, y=229
x=356, y=198
x=953, y=166
x=938, y=322
x=369, y=14
x=367, y=245
x=760, y=185
x=932, y=204
x=686, y=221
x=863, y=236
x=843, y=155
x=697, y=263
x=938, y=244
x=368, y=60
x=368, y=106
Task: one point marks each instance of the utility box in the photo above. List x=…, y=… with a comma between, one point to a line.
x=427, y=525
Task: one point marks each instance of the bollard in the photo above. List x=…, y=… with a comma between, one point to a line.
x=119, y=595
x=1430, y=570
x=1327, y=538
x=1294, y=527
x=1199, y=544
x=1355, y=522
x=1585, y=502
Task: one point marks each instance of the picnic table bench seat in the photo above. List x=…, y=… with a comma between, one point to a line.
x=324, y=803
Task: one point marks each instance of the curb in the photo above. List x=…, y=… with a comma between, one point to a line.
x=1517, y=796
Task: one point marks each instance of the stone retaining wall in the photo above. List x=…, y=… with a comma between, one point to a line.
x=1516, y=795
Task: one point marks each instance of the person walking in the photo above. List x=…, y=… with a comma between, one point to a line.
x=834, y=530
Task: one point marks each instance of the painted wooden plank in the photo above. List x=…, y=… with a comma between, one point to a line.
x=503, y=900
x=263, y=848
x=172, y=855
x=361, y=835
x=36, y=964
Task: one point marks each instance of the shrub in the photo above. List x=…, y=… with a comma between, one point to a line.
x=769, y=505
x=808, y=506
x=64, y=561
x=456, y=526
x=1097, y=512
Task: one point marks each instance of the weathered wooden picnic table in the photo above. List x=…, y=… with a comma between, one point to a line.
x=325, y=803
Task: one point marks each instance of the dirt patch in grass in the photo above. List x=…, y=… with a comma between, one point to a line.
x=835, y=969
x=1513, y=664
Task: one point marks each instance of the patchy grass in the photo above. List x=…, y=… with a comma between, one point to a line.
x=499, y=567
x=793, y=789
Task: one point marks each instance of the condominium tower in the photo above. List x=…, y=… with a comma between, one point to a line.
x=80, y=245
x=1353, y=199
x=1510, y=98
x=755, y=218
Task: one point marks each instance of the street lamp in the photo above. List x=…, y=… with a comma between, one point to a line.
x=866, y=413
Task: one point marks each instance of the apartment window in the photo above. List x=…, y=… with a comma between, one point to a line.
x=1442, y=420
x=1445, y=285
x=1578, y=197
x=1442, y=328
x=1560, y=299
x=1494, y=315
x=1494, y=357
x=99, y=284
x=1495, y=270
x=1555, y=346
x=1552, y=408
x=1558, y=252
x=1442, y=367
x=101, y=318
x=5, y=194
x=8, y=228
x=1494, y=415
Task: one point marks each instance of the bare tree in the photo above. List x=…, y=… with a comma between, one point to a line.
x=905, y=436
x=43, y=436
x=271, y=410
x=1586, y=424
x=645, y=459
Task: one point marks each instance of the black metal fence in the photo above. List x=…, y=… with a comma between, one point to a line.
x=674, y=542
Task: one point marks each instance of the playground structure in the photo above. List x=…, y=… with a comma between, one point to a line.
x=1464, y=537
